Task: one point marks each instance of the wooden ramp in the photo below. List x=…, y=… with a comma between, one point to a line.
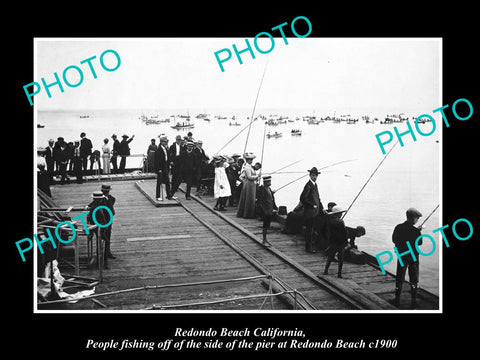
x=148, y=188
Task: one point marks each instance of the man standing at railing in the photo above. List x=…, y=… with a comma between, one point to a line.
x=124, y=151
x=85, y=149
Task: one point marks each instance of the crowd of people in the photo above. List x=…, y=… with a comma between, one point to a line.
x=234, y=181
x=59, y=159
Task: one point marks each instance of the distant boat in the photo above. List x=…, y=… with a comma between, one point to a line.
x=274, y=135
x=40, y=126
x=219, y=117
x=295, y=132
x=183, y=126
x=234, y=124
x=84, y=116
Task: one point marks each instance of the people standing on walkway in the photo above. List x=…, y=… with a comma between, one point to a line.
x=310, y=199
x=115, y=152
x=152, y=148
x=109, y=202
x=101, y=216
x=200, y=159
x=232, y=175
x=124, y=151
x=49, y=159
x=221, y=186
x=162, y=162
x=337, y=239
x=175, y=151
x=188, y=162
x=63, y=161
x=404, y=237
x=77, y=161
x=106, y=156
x=246, y=204
x=85, y=149
x=266, y=206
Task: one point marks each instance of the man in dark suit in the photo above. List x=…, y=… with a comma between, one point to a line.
x=175, y=151
x=162, y=162
x=200, y=159
x=188, y=160
x=115, y=151
x=310, y=199
x=110, y=202
x=49, y=159
x=85, y=149
x=124, y=151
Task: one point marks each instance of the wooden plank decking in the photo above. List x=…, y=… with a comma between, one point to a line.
x=166, y=245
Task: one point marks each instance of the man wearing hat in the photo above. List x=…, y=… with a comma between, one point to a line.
x=85, y=149
x=110, y=202
x=175, y=151
x=115, y=151
x=337, y=239
x=162, y=162
x=188, y=162
x=310, y=199
x=200, y=159
x=101, y=216
x=404, y=233
x=124, y=151
x=266, y=206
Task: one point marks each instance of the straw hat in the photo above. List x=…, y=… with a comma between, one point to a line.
x=97, y=195
x=336, y=210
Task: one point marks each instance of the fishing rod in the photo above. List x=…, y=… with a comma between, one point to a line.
x=254, y=105
x=301, y=177
x=428, y=217
x=229, y=141
x=363, y=187
x=284, y=167
x=263, y=147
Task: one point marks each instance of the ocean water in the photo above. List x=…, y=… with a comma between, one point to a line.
x=409, y=177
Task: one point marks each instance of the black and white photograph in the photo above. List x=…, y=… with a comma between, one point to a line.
x=252, y=188
x=284, y=182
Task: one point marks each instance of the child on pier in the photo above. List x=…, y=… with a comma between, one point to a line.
x=221, y=186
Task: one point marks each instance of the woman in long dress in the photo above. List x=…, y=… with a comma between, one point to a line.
x=221, y=186
x=246, y=204
x=106, y=156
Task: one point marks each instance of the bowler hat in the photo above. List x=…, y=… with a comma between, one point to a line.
x=314, y=170
x=125, y=136
x=267, y=178
x=106, y=187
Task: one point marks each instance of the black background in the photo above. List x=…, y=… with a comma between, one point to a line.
x=66, y=334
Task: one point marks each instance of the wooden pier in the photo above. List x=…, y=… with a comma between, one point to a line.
x=190, y=257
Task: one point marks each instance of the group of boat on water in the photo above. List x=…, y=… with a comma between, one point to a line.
x=276, y=120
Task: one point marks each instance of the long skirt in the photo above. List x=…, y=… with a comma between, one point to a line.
x=106, y=163
x=246, y=204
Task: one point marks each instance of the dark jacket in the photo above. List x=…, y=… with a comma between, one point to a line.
x=160, y=163
x=110, y=202
x=116, y=147
x=309, y=198
x=265, y=201
x=124, y=149
x=401, y=234
x=101, y=215
x=337, y=232
x=85, y=147
x=188, y=162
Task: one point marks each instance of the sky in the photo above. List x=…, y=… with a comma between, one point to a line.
x=334, y=73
